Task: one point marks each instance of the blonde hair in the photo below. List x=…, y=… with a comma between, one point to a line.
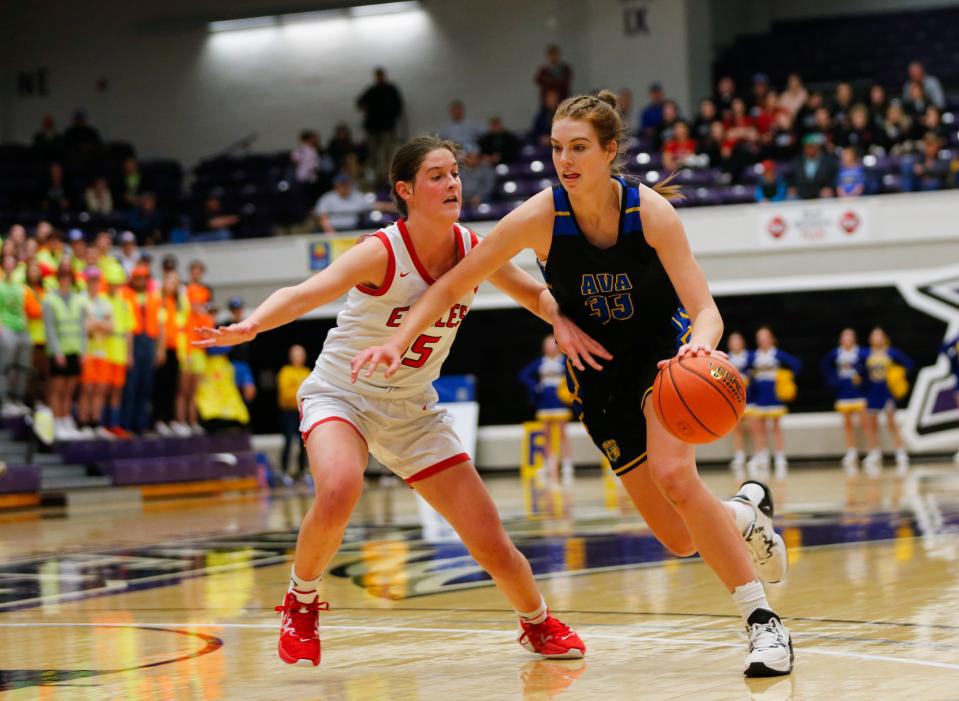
x=600, y=110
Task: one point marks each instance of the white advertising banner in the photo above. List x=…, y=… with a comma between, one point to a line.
x=814, y=223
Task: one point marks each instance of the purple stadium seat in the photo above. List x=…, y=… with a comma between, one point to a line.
x=19, y=479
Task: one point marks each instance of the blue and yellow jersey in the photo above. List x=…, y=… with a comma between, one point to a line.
x=845, y=370
x=880, y=362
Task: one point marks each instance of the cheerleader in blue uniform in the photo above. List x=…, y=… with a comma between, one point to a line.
x=951, y=350
x=772, y=378
x=739, y=358
x=543, y=379
x=886, y=370
x=845, y=371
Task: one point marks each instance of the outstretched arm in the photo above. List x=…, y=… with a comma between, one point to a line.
x=364, y=263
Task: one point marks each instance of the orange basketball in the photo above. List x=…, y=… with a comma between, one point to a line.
x=699, y=399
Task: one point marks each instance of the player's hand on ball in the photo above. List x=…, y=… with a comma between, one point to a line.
x=577, y=345
x=372, y=358
x=693, y=350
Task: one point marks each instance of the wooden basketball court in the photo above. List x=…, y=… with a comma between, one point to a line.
x=176, y=602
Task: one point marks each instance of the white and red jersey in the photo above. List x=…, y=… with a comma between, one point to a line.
x=371, y=315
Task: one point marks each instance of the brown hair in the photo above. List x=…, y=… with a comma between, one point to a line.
x=600, y=111
x=408, y=159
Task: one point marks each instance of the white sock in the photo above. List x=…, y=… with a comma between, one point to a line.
x=739, y=456
x=780, y=455
x=567, y=465
x=535, y=617
x=303, y=589
x=749, y=597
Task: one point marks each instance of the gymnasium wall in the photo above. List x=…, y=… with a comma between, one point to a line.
x=150, y=73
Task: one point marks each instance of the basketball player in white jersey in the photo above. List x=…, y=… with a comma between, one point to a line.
x=397, y=420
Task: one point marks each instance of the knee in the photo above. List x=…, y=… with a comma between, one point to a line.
x=676, y=481
x=335, y=497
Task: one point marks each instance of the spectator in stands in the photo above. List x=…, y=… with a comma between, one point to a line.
x=651, y=117
x=794, y=96
x=671, y=118
x=814, y=172
x=896, y=128
x=624, y=103
x=704, y=118
x=311, y=170
x=213, y=223
x=80, y=137
x=806, y=117
x=119, y=349
x=16, y=349
x=926, y=170
x=96, y=373
x=678, y=149
x=33, y=294
x=478, y=178
x=772, y=186
x=842, y=104
x=877, y=106
x=931, y=86
x=740, y=126
x=132, y=181
x=725, y=94
x=458, y=128
x=341, y=144
x=147, y=335
x=780, y=143
x=147, y=221
x=54, y=198
x=860, y=133
x=47, y=142
x=77, y=250
x=760, y=88
x=192, y=359
x=288, y=381
x=340, y=208
x=64, y=318
x=851, y=180
x=382, y=106
x=765, y=118
x=711, y=144
x=555, y=75
x=823, y=124
x=498, y=144
x=930, y=122
x=543, y=121
x=129, y=254
x=240, y=355
x=174, y=308
x=916, y=101
x=357, y=173
x=98, y=198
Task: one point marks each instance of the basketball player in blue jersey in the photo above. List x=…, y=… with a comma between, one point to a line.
x=771, y=372
x=845, y=371
x=543, y=378
x=739, y=358
x=951, y=350
x=618, y=264
x=886, y=370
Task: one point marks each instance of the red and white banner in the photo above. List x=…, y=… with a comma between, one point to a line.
x=815, y=223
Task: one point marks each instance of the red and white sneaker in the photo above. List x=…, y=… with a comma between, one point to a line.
x=300, y=629
x=552, y=639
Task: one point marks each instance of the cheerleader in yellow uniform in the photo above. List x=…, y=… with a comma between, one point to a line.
x=886, y=369
x=771, y=373
x=845, y=371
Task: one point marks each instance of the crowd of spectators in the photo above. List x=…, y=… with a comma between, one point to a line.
x=790, y=141
x=90, y=333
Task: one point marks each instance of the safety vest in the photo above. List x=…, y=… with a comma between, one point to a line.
x=118, y=345
x=146, y=312
x=174, y=313
x=68, y=320
x=33, y=305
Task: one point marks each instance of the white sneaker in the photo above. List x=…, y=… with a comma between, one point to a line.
x=87, y=432
x=179, y=429
x=850, y=462
x=568, y=473
x=766, y=547
x=196, y=430
x=738, y=465
x=872, y=463
x=902, y=462
x=782, y=467
x=770, y=646
x=163, y=429
x=758, y=466
x=103, y=433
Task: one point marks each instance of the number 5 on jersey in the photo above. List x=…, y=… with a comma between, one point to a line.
x=421, y=346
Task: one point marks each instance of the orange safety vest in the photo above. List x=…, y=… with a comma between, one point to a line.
x=174, y=321
x=32, y=304
x=146, y=317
